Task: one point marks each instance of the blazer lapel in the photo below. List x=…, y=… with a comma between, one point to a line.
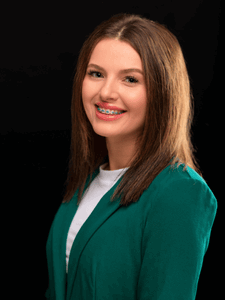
x=59, y=238
x=60, y=230
x=104, y=209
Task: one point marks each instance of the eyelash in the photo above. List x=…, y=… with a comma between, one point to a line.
x=90, y=73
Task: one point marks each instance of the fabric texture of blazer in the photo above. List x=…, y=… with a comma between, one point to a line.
x=152, y=249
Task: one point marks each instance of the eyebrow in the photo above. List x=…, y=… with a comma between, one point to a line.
x=121, y=71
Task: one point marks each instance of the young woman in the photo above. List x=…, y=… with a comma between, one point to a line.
x=137, y=215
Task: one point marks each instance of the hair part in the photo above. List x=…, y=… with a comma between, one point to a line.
x=166, y=137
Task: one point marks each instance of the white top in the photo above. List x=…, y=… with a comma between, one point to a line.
x=102, y=183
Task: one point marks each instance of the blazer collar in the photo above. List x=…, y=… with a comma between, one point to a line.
x=103, y=210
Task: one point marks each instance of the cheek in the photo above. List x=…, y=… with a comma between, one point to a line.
x=139, y=108
x=138, y=116
x=89, y=94
x=138, y=102
x=85, y=97
x=84, y=91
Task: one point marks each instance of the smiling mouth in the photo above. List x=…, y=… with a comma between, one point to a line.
x=109, y=111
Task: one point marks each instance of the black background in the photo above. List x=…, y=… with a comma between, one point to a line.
x=40, y=43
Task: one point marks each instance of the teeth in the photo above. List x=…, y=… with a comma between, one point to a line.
x=110, y=112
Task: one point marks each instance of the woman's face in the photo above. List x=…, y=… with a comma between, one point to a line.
x=107, y=82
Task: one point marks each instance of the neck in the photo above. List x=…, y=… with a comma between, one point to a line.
x=120, y=153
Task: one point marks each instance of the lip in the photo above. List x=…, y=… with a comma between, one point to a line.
x=106, y=106
x=105, y=117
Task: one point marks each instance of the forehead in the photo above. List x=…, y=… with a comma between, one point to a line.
x=110, y=52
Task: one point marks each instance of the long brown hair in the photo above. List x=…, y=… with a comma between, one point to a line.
x=166, y=137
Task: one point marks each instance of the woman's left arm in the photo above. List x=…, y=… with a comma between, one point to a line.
x=175, y=240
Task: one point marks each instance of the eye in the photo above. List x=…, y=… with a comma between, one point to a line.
x=94, y=74
x=97, y=74
x=132, y=79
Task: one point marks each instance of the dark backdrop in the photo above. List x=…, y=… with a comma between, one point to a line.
x=40, y=43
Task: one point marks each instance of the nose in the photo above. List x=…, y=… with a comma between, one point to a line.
x=108, y=90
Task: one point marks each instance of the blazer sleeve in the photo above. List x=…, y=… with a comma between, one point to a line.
x=175, y=239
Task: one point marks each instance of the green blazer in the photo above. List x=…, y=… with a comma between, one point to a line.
x=152, y=249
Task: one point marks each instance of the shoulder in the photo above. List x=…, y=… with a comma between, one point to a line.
x=179, y=180
x=179, y=189
x=178, y=207
x=178, y=174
